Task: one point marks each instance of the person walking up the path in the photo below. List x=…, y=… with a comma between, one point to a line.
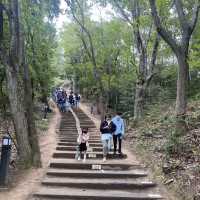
x=77, y=99
x=67, y=105
x=71, y=99
x=106, y=129
x=118, y=133
x=59, y=99
x=83, y=143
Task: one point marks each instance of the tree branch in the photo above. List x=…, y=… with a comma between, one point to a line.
x=183, y=21
x=123, y=13
x=166, y=35
x=85, y=46
x=154, y=53
x=195, y=15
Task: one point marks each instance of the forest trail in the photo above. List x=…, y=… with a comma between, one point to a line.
x=67, y=178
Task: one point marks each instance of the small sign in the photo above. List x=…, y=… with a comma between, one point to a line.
x=96, y=167
x=92, y=155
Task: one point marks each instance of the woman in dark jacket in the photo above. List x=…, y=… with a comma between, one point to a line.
x=106, y=129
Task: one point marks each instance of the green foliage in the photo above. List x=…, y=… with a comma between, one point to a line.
x=41, y=43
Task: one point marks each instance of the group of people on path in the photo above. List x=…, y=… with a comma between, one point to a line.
x=66, y=101
x=112, y=132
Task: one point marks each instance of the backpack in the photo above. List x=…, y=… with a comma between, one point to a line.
x=112, y=127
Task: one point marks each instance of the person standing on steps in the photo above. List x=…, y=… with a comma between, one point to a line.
x=118, y=133
x=106, y=129
x=71, y=99
x=77, y=100
x=92, y=109
x=82, y=140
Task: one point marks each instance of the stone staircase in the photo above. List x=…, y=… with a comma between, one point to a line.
x=69, y=179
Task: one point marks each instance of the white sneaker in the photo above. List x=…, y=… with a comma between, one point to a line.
x=79, y=158
x=104, y=159
x=84, y=160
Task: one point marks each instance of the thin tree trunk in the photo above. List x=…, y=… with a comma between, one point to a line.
x=33, y=136
x=102, y=106
x=181, y=98
x=139, y=100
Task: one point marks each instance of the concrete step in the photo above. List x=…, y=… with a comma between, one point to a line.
x=75, y=144
x=74, y=164
x=65, y=136
x=72, y=148
x=74, y=136
x=103, y=183
x=90, y=155
x=87, y=126
x=68, y=122
x=92, y=194
x=71, y=134
x=87, y=123
x=99, y=174
x=68, y=125
x=68, y=129
x=68, y=132
x=72, y=139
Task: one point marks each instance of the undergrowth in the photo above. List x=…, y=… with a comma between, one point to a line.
x=175, y=155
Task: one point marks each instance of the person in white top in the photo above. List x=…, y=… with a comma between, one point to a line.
x=82, y=140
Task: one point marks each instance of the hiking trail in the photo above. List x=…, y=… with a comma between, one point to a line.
x=67, y=178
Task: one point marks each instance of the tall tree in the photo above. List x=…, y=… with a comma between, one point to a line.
x=180, y=45
x=77, y=9
x=134, y=12
x=11, y=58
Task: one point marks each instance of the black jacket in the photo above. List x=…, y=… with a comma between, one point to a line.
x=104, y=127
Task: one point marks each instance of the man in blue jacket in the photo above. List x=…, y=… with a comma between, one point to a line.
x=119, y=132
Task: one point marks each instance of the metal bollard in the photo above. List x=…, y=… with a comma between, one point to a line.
x=5, y=159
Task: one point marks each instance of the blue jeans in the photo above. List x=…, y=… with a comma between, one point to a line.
x=106, y=141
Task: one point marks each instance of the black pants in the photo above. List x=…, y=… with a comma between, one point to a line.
x=115, y=139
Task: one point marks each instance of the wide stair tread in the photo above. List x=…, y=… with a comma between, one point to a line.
x=81, y=173
x=103, y=183
x=74, y=164
x=79, y=193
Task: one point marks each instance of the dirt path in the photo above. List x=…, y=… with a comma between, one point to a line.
x=28, y=181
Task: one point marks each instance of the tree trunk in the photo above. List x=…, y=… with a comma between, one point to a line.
x=33, y=136
x=181, y=98
x=101, y=107
x=75, y=84
x=139, y=100
x=98, y=105
x=16, y=98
